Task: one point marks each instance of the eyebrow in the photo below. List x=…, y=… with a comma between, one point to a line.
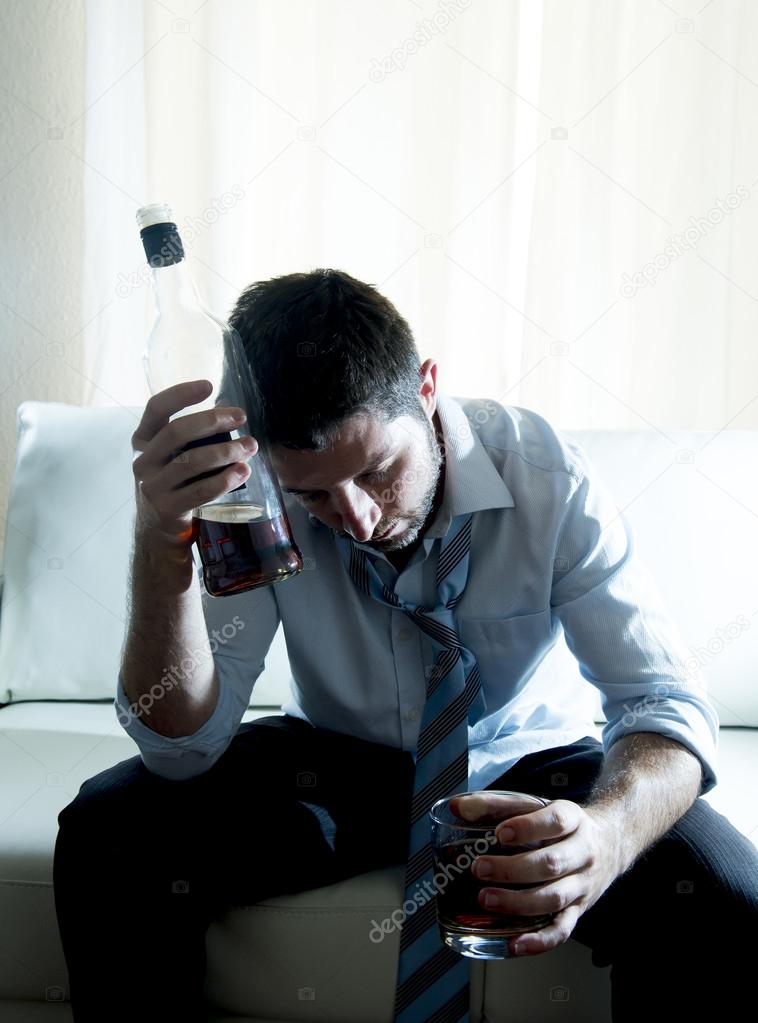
x=374, y=465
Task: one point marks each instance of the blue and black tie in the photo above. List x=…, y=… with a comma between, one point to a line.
x=433, y=980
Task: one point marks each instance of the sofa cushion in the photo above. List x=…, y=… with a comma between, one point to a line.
x=314, y=954
x=66, y=558
x=66, y=551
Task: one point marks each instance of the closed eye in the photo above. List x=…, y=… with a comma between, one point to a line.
x=371, y=477
x=375, y=477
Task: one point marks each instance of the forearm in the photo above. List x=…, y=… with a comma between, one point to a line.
x=647, y=782
x=166, y=647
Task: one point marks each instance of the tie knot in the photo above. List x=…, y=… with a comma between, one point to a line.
x=439, y=625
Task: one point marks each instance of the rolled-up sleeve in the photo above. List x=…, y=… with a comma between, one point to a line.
x=616, y=626
x=240, y=630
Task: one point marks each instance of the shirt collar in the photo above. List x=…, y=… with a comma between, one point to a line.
x=472, y=483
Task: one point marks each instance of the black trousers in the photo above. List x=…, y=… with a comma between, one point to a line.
x=143, y=864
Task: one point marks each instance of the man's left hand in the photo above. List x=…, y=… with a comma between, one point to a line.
x=577, y=862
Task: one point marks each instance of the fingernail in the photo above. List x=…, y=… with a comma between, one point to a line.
x=490, y=901
x=483, y=868
x=519, y=949
x=505, y=834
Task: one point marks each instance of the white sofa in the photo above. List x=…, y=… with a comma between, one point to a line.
x=692, y=501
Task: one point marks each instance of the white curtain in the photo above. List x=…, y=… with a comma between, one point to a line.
x=558, y=195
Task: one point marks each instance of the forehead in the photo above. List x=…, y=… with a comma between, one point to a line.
x=362, y=442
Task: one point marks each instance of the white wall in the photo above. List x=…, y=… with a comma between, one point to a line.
x=42, y=55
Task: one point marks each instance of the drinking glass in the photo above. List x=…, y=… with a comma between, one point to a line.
x=463, y=827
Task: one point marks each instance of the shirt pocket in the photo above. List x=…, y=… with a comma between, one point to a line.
x=507, y=650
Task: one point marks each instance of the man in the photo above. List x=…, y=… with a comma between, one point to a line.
x=380, y=469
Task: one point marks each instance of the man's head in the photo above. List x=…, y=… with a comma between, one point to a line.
x=344, y=405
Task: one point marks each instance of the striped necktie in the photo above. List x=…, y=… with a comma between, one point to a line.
x=432, y=980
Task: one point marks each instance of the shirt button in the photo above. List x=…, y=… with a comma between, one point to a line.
x=411, y=715
x=403, y=633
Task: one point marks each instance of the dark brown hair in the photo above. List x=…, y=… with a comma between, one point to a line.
x=323, y=346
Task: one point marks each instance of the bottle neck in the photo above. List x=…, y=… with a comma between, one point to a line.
x=174, y=287
x=172, y=281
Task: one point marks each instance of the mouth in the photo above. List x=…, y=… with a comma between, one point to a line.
x=387, y=533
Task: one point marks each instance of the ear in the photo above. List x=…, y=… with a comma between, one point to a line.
x=428, y=387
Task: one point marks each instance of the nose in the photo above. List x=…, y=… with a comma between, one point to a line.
x=359, y=513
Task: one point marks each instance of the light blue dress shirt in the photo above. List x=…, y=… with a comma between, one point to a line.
x=549, y=551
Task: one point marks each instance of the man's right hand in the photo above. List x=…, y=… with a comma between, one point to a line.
x=164, y=502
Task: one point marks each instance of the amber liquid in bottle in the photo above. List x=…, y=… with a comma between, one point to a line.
x=239, y=547
x=243, y=550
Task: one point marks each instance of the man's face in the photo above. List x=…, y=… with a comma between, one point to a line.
x=376, y=477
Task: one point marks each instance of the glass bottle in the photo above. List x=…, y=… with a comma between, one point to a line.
x=243, y=538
